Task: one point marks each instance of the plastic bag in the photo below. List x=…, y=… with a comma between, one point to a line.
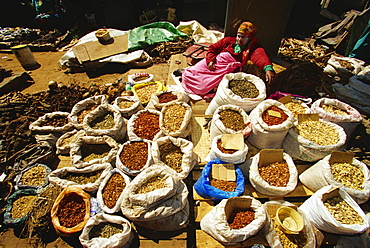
x=237, y=157
x=218, y=127
x=39, y=126
x=70, y=231
x=264, y=187
x=264, y=136
x=215, y=222
x=165, y=117
x=128, y=112
x=189, y=158
x=77, y=150
x=225, y=96
x=203, y=186
x=122, y=239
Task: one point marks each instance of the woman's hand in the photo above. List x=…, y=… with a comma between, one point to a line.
x=270, y=76
x=211, y=66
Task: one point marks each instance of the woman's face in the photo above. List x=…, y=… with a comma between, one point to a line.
x=242, y=39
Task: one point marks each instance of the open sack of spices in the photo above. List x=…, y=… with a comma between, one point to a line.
x=105, y=230
x=128, y=105
x=220, y=180
x=144, y=91
x=159, y=99
x=342, y=170
x=230, y=119
x=110, y=191
x=19, y=205
x=271, y=121
x=88, y=178
x=339, y=113
x=52, y=122
x=234, y=220
x=34, y=176
x=240, y=89
x=134, y=156
x=176, y=153
x=105, y=120
x=157, y=195
x=64, y=142
x=88, y=150
x=343, y=67
x=83, y=107
x=229, y=148
x=144, y=125
x=296, y=106
x=333, y=210
x=273, y=173
x=312, y=138
x=138, y=78
x=280, y=233
x=71, y=211
x=175, y=118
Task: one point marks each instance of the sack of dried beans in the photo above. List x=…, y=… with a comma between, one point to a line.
x=70, y=211
x=176, y=153
x=216, y=189
x=275, y=235
x=227, y=155
x=19, y=204
x=105, y=120
x=353, y=176
x=161, y=98
x=230, y=119
x=156, y=193
x=313, y=140
x=52, y=122
x=134, y=156
x=240, y=89
x=273, y=179
x=88, y=178
x=88, y=150
x=175, y=118
x=332, y=209
x=104, y=230
x=271, y=121
x=34, y=176
x=110, y=191
x=234, y=220
x=128, y=105
x=144, y=125
x=83, y=107
x=339, y=113
x=64, y=142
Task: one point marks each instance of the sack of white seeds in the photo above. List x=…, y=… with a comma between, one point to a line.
x=354, y=177
x=333, y=210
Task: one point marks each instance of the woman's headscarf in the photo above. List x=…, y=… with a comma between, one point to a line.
x=250, y=30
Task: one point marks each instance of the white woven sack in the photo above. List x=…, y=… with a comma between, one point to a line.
x=348, y=122
x=320, y=217
x=38, y=126
x=225, y=96
x=217, y=126
x=55, y=176
x=73, y=136
x=99, y=194
x=131, y=122
x=273, y=238
x=184, y=129
x=215, y=223
x=156, y=204
x=131, y=78
x=334, y=66
x=319, y=175
x=117, y=132
x=303, y=149
x=128, y=112
x=82, y=105
x=122, y=239
x=263, y=187
x=156, y=105
x=264, y=136
x=76, y=155
x=237, y=157
x=127, y=170
x=189, y=157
